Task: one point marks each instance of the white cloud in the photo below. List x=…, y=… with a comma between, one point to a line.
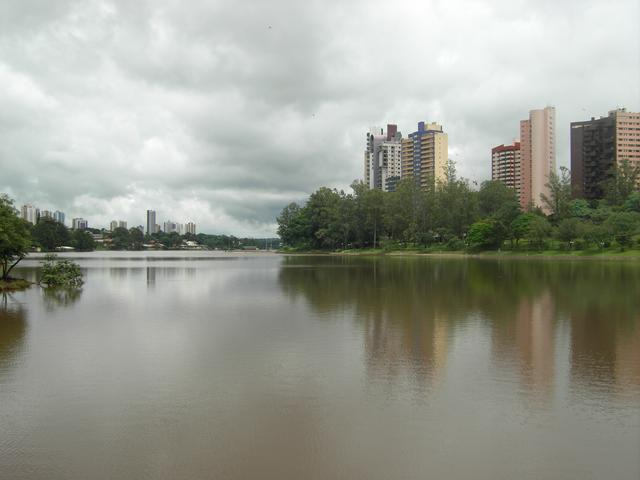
x=222, y=113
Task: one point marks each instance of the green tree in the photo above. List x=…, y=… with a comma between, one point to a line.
x=595, y=234
x=520, y=226
x=632, y=204
x=622, y=182
x=568, y=230
x=137, y=238
x=483, y=234
x=50, y=234
x=493, y=196
x=456, y=206
x=60, y=273
x=579, y=208
x=322, y=210
x=292, y=227
x=559, y=199
x=623, y=225
x=120, y=238
x=15, y=237
x=82, y=241
x=538, y=231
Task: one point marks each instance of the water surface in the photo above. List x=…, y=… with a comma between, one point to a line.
x=200, y=365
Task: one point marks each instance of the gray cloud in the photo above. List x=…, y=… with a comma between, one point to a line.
x=223, y=112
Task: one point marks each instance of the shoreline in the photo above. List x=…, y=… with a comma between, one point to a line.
x=14, y=285
x=627, y=256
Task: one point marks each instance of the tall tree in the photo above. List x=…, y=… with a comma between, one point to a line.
x=559, y=199
x=83, y=241
x=121, y=239
x=15, y=237
x=50, y=234
x=137, y=238
x=622, y=182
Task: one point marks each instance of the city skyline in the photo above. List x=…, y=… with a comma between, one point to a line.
x=235, y=125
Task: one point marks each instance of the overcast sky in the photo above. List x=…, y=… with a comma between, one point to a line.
x=222, y=112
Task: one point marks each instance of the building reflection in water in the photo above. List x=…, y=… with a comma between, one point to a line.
x=410, y=311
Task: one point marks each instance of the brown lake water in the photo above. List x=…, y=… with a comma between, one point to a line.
x=201, y=365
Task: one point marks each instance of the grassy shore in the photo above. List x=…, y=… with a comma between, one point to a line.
x=14, y=284
x=594, y=254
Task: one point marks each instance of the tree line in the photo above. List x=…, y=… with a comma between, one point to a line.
x=455, y=215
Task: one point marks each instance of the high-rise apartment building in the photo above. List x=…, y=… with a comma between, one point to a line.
x=58, y=216
x=29, y=213
x=171, y=227
x=425, y=154
x=151, y=222
x=599, y=144
x=538, y=152
x=190, y=227
x=113, y=225
x=46, y=214
x=382, y=158
x=79, y=224
x=506, y=164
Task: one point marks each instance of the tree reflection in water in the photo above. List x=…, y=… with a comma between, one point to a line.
x=411, y=308
x=13, y=328
x=60, y=297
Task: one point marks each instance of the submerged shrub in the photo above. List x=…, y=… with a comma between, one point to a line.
x=60, y=273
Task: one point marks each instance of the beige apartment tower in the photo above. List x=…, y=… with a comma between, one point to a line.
x=425, y=154
x=538, y=153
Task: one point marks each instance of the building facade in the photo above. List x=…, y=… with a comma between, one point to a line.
x=58, y=216
x=29, y=213
x=382, y=158
x=424, y=155
x=190, y=227
x=506, y=166
x=538, y=153
x=171, y=227
x=79, y=224
x=597, y=145
x=151, y=222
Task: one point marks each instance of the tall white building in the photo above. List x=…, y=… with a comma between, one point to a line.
x=170, y=227
x=538, y=152
x=58, y=216
x=383, y=158
x=151, y=222
x=79, y=224
x=117, y=224
x=190, y=227
x=29, y=213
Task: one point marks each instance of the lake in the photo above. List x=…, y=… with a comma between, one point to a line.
x=197, y=365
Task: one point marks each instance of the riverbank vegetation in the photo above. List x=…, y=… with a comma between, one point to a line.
x=15, y=240
x=60, y=273
x=457, y=216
